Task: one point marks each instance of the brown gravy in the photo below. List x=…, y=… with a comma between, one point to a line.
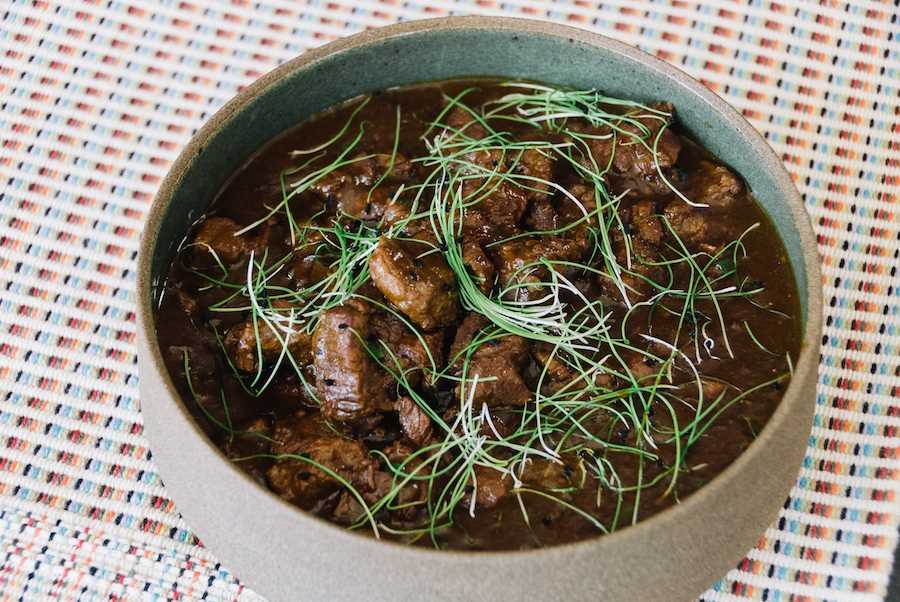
x=605, y=450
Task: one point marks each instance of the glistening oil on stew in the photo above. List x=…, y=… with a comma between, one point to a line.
x=481, y=316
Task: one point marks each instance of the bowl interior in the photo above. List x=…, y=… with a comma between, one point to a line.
x=421, y=56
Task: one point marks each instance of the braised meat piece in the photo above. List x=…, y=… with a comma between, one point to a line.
x=537, y=167
x=351, y=190
x=303, y=483
x=219, y=236
x=645, y=222
x=637, y=249
x=497, y=364
x=407, y=494
x=542, y=215
x=495, y=206
x=489, y=487
x=188, y=303
x=714, y=185
x=700, y=228
x=586, y=198
x=414, y=422
x=465, y=333
x=252, y=439
x=343, y=193
x=494, y=210
x=555, y=212
x=630, y=156
x=479, y=265
x=307, y=265
x=557, y=373
x=368, y=171
x=307, y=270
x=546, y=475
x=687, y=222
x=411, y=497
x=635, y=163
x=519, y=266
x=642, y=367
x=418, y=283
x=414, y=358
x=636, y=264
x=349, y=383
x=247, y=341
x=462, y=123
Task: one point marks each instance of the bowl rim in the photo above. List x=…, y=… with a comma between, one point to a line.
x=806, y=362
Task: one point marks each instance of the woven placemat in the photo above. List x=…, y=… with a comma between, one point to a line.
x=97, y=98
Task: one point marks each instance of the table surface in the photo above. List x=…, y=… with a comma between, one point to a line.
x=96, y=99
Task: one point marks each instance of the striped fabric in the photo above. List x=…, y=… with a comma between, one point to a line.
x=96, y=99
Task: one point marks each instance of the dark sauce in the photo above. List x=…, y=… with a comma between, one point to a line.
x=186, y=326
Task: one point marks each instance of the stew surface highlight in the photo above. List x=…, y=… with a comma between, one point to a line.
x=476, y=315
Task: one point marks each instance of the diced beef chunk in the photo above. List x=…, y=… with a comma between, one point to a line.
x=638, y=271
x=537, y=167
x=479, y=265
x=218, y=234
x=349, y=383
x=303, y=483
x=712, y=388
x=689, y=223
x=542, y=215
x=413, y=493
x=307, y=270
x=498, y=365
x=642, y=367
x=495, y=210
x=465, y=333
x=714, y=185
x=367, y=172
x=637, y=249
x=348, y=510
x=587, y=201
x=495, y=205
x=462, y=123
x=633, y=165
x=635, y=162
x=418, y=283
x=699, y=228
x=344, y=194
x=414, y=358
x=307, y=266
x=247, y=341
x=645, y=222
x=396, y=211
x=414, y=422
x=489, y=487
x=501, y=423
x=556, y=372
x=252, y=438
x=351, y=189
x=551, y=213
x=545, y=474
x=407, y=495
x=518, y=263
x=288, y=391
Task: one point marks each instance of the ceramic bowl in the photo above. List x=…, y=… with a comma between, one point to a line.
x=286, y=554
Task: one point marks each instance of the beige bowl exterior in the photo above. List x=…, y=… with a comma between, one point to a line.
x=286, y=554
